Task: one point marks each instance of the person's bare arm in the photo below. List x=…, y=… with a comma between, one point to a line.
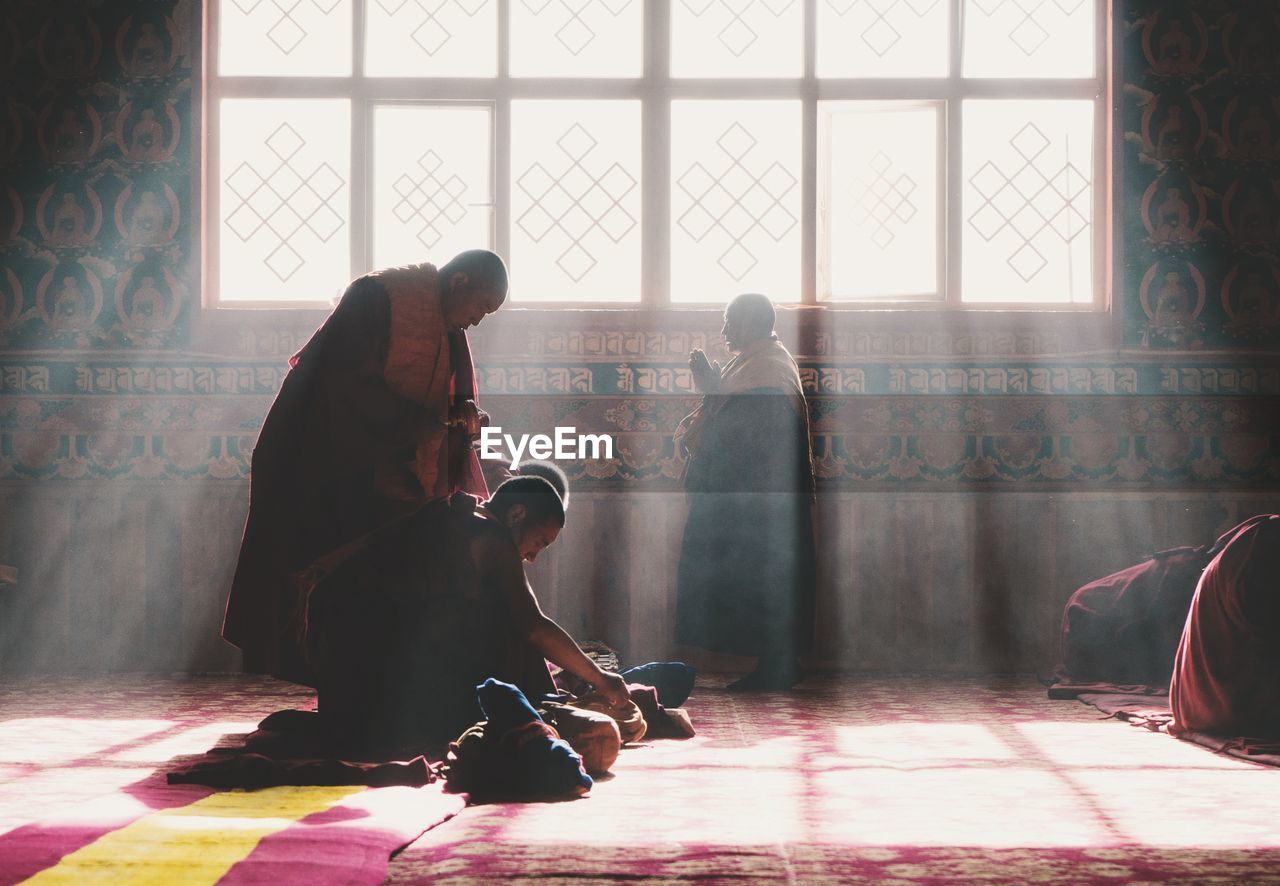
x=547, y=638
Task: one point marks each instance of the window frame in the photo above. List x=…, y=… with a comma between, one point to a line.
x=656, y=89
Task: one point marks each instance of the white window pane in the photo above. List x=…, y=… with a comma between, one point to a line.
x=878, y=199
x=735, y=200
x=286, y=38
x=577, y=38
x=432, y=183
x=1028, y=201
x=737, y=38
x=883, y=38
x=575, y=201
x=1029, y=38
x=284, y=201
x=431, y=38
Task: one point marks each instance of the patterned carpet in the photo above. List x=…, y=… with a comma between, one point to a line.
x=885, y=780
x=846, y=780
x=81, y=799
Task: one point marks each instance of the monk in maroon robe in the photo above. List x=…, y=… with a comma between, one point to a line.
x=374, y=420
x=1226, y=677
x=1124, y=628
x=419, y=612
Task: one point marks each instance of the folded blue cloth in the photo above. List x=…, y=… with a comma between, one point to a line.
x=504, y=706
x=672, y=679
x=513, y=752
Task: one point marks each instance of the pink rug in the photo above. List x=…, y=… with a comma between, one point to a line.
x=1151, y=711
x=80, y=797
x=855, y=779
x=868, y=780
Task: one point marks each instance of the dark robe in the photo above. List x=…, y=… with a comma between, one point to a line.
x=1124, y=628
x=401, y=631
x=747, y=576
x=1226, y=677
x=356, y=437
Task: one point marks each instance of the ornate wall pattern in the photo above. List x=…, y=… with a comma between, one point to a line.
x=1200, y=198
x=1137, y=424
x=96, y=127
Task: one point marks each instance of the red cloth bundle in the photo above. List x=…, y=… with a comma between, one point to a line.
x=1224, y=678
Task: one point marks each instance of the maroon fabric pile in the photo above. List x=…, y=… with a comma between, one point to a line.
x=290, y=748
x=1225, y=675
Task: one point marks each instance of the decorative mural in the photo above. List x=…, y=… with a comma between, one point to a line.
x=1200, y=174
x=96, y=246
x=108, y=371
x=923, y=424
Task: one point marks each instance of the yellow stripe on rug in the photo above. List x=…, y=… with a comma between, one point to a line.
x=193, y=844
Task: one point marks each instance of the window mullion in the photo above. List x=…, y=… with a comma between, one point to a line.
x=1103, y=158
x=655, y=158
x=502, y=140
x=1101, y=178
x=211, y=209
x=361, y=200
x=953, y=187
x=809, y=162
x=1085, y=87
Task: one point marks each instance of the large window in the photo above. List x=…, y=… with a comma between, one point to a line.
x=944, y=153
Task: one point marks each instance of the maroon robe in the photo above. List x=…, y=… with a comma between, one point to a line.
x=402, y=628
x=1226, y=678
x=356, y=437
x=1124, y=628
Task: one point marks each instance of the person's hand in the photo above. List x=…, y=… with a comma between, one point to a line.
x=705, y=373
x=612, y=689
x=470, y=417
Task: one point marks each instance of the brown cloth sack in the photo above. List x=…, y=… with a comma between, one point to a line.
x=594, y=735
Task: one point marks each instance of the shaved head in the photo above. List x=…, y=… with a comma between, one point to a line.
x=484, y=270
x=472, y=285
x=749, y=317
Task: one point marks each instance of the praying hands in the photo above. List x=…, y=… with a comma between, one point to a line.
x=706, y=375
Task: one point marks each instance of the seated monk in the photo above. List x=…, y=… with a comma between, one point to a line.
x=1225, y=674
x=374, y=419
x=402, y=629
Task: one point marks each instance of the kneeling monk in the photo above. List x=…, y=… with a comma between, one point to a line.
x=1225, y=674
x=402, y=631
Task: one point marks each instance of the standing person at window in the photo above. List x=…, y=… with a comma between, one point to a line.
x=375, y=418
x=746, y=581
